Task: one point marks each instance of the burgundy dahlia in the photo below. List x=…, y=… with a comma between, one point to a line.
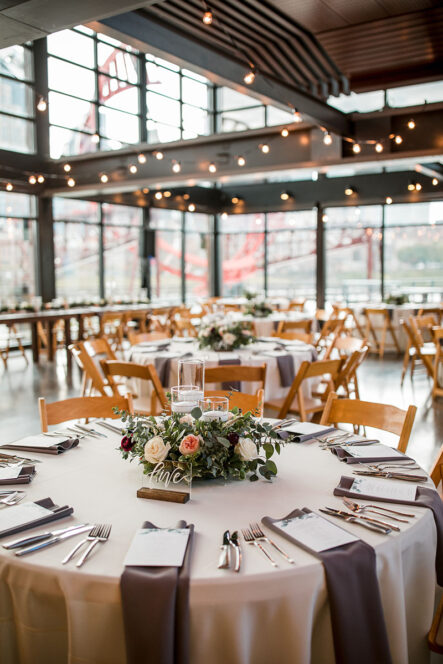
x=233, y=438
x=127, y=443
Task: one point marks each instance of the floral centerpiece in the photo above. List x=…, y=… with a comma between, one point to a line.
x=397, y=299
x=223, y=334
x=237, y=448
x=258, y=309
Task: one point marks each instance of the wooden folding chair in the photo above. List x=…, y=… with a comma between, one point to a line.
x=142, y=337
x=81, y=407
x=437, y=383
x=134, y=321
x=380, y=320
x=112, y=328
x=331, y=330
x=245, y=402
x=304, y=326
x=297, y=305
x=88, y=355
x=295, y=336
x=366, y=413
x=146, y=372
x=437, y=312
x=348, y=315
x=295, y=401
x=233, y=373
x=11, y=335
x=347, y=376
x=344, y=346
x=424, y=353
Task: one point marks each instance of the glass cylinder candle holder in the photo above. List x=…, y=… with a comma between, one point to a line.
x=192, y=372
x=214, y=408
x=184, y=398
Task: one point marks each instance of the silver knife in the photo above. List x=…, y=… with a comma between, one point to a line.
x=224, y=560
x=53, y=540
x=392, y=476
x=15, y=544
x=354, y=519
x=81, y=429
x=237, y=550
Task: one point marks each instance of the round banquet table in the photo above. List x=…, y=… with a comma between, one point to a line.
x=265, y=326
x=255, y=355
x=54, y=614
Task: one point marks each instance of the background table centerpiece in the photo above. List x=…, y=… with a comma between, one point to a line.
x=225, y=334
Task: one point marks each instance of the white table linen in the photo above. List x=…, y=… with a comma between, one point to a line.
x=51, y=613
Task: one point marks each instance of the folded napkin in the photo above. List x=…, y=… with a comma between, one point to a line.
x=286, y=369
x=13, y=475
x=232, y=384
x=163, y=368
x=43, y=444
x=425, y=497
x=344, y=455
x=30, y=515
x=358, y=626
x=155, y=603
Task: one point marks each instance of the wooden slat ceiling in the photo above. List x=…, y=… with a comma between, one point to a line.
x=253, y=31
x=376, y=43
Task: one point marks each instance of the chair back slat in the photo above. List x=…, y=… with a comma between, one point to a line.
x=246, y=402
x=81, y=408
x=146, y=372
x=236, y=373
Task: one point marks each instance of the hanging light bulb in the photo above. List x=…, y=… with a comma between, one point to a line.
x=67, y=168
x=418, y=187
x=42, y=105
x=167, y=194
x=71, y=182
x=207, y=18
x=176, y=167
x=104, y=178
x=9, y=186
x=327, y=138
x=378, y=147
x=158, y=195
x=141, y=158
x=411, y=186
x=297, y=117
x=349, y=191
x=132, y=168
x=40, y=179
x=411, y=124
x=241, y=161
x=235, y=200
x=285, y=196
x=249, y=77
x=388, y=200
x=434, y=182
x=191, y=207
x=212, y=168
x=186, y=197
x=145, y=190
x=32, y=179
x=398, y=139
x=95, y=138
x=224, y=215
x=356, y=148
x=284, y=132
x=264, y=147
x=325, y=218
x=159, y=155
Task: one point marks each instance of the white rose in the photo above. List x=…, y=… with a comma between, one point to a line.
x=246, y=449
x=231, y=415
x=229, y=338
x=156, y=450
x=187, y=419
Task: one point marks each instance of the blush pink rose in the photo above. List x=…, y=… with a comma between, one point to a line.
x=189, y=445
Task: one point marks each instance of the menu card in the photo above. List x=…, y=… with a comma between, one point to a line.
x=308, y=428
x=369, y=486
x=158, y=547
x=374, y=451
x=19, y=515
x=315, y=532
x=10, y=472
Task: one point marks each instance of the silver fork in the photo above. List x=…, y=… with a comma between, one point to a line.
x=102, y=536
x=259, y=535
x=250, y=539
x=12, y=499
x=92, y=535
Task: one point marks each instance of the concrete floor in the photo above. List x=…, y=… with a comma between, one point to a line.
x=21, y=385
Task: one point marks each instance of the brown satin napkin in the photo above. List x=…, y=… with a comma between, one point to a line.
x=155, y=604
x=57, y=448
x=344, y=455
x=358, y=626
x=286, y=369
x=425, y=497
x=24, y=477
x=231, y=384
x=163, y=368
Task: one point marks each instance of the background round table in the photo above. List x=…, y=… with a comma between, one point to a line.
x=51, y=613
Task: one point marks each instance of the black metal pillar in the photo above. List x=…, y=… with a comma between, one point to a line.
x=41, y=90
x=183, y=261
x=45, y=250
x=217, y=285
x=101, y=256
x=145, y=258
x=265, y=258
x=321, y=263
x=382, y=254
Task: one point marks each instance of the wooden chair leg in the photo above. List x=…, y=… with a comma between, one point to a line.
x=394, y=336
x=301, y=406
x=412, y=367
x=383, y=339
x=406, y=360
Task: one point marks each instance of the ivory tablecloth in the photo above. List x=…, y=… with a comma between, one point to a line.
x=54, y=614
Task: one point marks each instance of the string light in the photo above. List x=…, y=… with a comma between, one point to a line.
x=67, y=168
x=411, y=124
x=349, y=191
x=241, y=161
x=398, y=139
x=434, y=182
x=191, y=207
x=356, y=148
x=104, y=178
x=284, y=132
x=141, y=158
x=388, y=200
x=71, y=182
x=167, y=194
x=327, y=138
x=95, y=138
x=264, y=147
x=159, y=155
x=176, y=167
x=132, y=168
x=298, y=117
x=378, y=147
x=207, y=18
x=158, y=195
x=32, y=179
x=285, y=196
x=145, y=190
x=235, y=200
x=212, y=168
x=249, y=77
x=40, y=179
x=411, y=186
x=325, y=218
x=42, y=105
x=314, y=176
x=9, y=186
x=186, y=197
x=224, y=215
x=418, y=186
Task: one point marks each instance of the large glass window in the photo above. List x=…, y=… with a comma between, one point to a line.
x=17, y=129
x=353, y=251
x=292, y=257
x=166, y=267
x=121, y=250
x=197, y=256
x=243, y=254
x=17, y=247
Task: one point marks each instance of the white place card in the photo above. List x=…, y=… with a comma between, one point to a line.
x=40, y=440
x=315, y=532
x=18, y=515
x=376, y=488
x=375, y=451
x=10, y=472
x=158, y=547
x=306, y=428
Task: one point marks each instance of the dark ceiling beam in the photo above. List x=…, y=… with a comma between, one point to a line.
x=155, y=36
